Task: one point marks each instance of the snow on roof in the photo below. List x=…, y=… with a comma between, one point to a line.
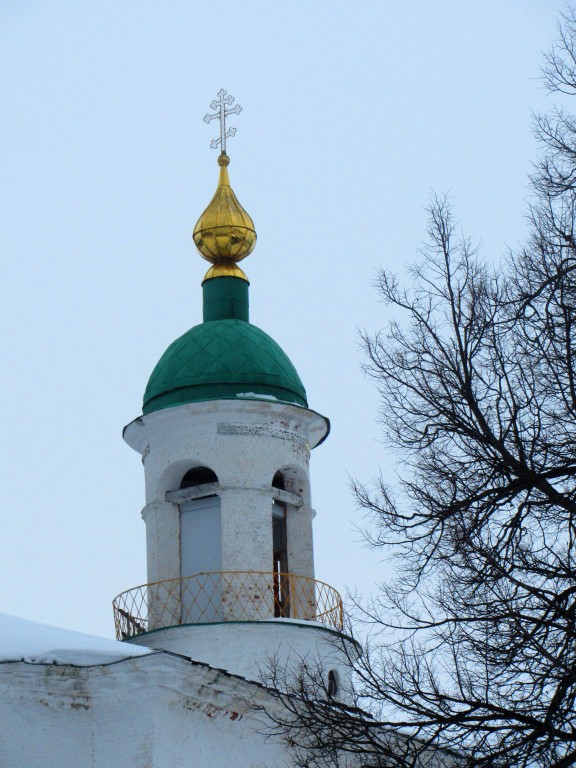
x=24, y=640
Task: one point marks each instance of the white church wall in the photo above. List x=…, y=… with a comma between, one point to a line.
x=153, y=711
x=245, y=443
x=158, y=711
x=248, y=648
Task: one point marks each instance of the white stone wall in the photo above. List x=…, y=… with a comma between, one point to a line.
x=245, y=443
x=162, y=521
x=247, y=648
x=300, y=540
x=154, y=711
x=149, y=712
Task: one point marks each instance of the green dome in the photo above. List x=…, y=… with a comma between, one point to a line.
x=223, y=359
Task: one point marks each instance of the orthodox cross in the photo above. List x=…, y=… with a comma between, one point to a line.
x=221, y=106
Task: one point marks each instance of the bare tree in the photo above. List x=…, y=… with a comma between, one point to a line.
x=473, y=645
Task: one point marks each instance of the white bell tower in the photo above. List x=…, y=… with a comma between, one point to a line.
x=225, y=439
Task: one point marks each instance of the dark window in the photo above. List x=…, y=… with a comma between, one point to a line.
x=332, y=683
x=280, y=561
x=278, y=481
x=198, y=476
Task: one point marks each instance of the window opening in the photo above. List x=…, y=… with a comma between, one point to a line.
x=200, y=549
x=332, y=683
x=200, y=561
x=278, y=481
x=198, y=476
x=280, y=561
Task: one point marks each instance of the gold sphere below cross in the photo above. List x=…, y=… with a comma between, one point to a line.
x=224, y=234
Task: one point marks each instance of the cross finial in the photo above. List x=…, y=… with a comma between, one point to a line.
x=221, y=105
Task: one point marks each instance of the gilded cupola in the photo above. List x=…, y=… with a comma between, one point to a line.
x=224, y=234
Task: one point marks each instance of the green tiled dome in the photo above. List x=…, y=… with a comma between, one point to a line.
x=223, y=359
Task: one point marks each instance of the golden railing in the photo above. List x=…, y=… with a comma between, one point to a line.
x=208, y=598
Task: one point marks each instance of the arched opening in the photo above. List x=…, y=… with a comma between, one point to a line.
x=200, y=546
x=294, y=481
x=332, y=687
x=278, y=481
x=280, y=552
x=198, y=476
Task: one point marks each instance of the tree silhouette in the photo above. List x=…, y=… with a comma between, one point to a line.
x=473, y=646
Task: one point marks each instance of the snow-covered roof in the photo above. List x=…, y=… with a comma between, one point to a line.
x=24, y=640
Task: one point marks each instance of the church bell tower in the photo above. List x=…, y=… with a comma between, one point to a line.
x=225, y=438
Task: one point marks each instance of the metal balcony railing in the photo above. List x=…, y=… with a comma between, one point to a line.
x=208, y=598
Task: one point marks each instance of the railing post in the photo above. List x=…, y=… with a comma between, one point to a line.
x=247, y=596
x=302, y=598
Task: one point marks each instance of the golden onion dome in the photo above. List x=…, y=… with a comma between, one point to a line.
x=224, y=234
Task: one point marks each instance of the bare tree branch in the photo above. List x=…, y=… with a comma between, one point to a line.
x=472, y=647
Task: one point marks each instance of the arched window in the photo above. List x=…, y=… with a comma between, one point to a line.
x=332, y=689
x=280, y=552
x=198, y=476
x=200, y=547
x=278, y=481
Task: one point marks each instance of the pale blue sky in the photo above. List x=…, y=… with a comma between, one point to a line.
x=352, y=114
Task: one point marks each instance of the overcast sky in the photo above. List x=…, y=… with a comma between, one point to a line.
x=352, y=114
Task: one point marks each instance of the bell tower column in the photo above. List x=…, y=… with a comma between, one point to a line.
x=162, y=540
